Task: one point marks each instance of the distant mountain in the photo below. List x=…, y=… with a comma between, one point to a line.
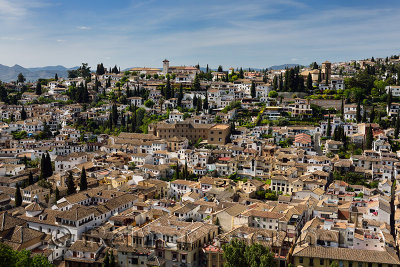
x=280, y=67
x=8, y=74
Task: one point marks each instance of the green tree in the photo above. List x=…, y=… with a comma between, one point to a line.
x=358, y=112
x=397, y=127
x=83, y=184
x=23, y=114
x=14, y=258
x=71, y=189
x=220, y=69
x=112, y=260
x=272, y=94
x=372, y=115
x=30, y=178
x=3, y=93
x=369, y=138
x=205, y=103
x=49, y=166
x=84, y=71
x=114, y=115
x=234, y=254
x=389, y=99
x=38, y=90
x=199, y=104
x=149, y=103
x=309, y=82
x=21, y=78
x=196, y=83
x=18, y=196
x=57, y=194
x=253, y=90
x=180, y=95
x=329, y=127
x=319, y=77
x=43, y=168
x=168, y=89
x=237, y=253
x=342, y=110
x=106, y=260
x=258, y=255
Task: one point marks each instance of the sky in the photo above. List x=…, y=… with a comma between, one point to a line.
x=230, y=33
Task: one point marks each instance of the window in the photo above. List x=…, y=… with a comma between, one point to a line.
x=301, y=259
x=322, y=262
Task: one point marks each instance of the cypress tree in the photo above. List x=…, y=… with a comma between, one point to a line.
x=177, y=171
x=57, y=194
x=397, y=128
x=389, y=99
x=372, y=115
x=38, y=90
x=205, y=103
x=180, y=95
x=364, y=117
x=319, y=77
x=196, y=83
x=112, y=260
x=369, y=138
x=56, y=77
x=329, y=127
x=49, y=167
x=253, y=89
x=71, y=189
x=199, y=104
x=168, y=89
x=96, y=84
x=43, y=167
x=83, y=184
x=30, y=178
x=358, y=112
x=114, y=116
x=195, y=101
x=342, y=110
x=241, y=73
x=133, y=128
x=18, y=196
x=309, y=82
x=275, y=83
x=85, y=94
x=185, y=171
x=23, y=114
x=106, y=260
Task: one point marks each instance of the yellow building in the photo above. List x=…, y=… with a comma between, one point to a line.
x=318, y=256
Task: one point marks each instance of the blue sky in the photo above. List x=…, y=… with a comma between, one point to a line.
x=229, y=33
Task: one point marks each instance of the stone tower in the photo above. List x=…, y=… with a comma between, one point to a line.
x=327, y=69
x=165, y=66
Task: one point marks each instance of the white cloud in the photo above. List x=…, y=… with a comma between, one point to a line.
x=84, y=28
